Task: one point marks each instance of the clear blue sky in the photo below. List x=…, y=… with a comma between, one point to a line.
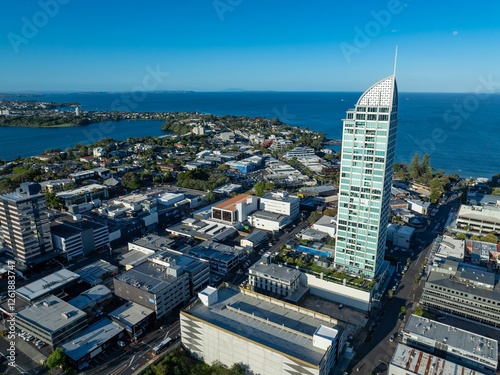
x=283, y=45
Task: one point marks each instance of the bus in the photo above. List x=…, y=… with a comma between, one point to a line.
x=162, y=345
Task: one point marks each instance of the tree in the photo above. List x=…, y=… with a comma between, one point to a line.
x=390, y=293
x=315, y=215
x=131, y=180
x=414, y=167
x=401, y=171
x=259, y=189
x=56, y=359
x=425, y=165
x=490, y=237
x=210, y=197
x=403, y=310
x=419, y=311
x=461, y=236
x=437, y=189
x=53, y=201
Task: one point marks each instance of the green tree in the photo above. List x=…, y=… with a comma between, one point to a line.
x=401, y=171
x=490, y=237
x=131, y=180
x=315, y=215
x=414, y=167
x=403, y=310
x=419, y=311
x=425, y=165
x=475, y=238
x=259, y=189
x=461, y=236
x=56, y=359
x=437, y=189
x=210, y=197
x=53, y=201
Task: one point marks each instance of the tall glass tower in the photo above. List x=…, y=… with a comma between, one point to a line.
x=368, y=144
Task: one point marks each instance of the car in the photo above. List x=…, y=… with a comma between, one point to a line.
x=121, y=343
x=367, y=315
x=341, y=306
x=394, y=288
x=401, y=317
x=392, y=338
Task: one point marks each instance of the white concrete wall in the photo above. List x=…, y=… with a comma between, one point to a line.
x=218, y=345
x=353, y=297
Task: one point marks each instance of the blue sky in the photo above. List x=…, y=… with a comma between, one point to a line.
x=212, y=45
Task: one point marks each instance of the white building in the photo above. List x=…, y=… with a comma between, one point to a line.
x=368, y=145
x=98, y=152
x=474, y=351
x=400, y=235
x=478, y=220
x=267, y=335
x=326, y=224
x=300, y=152
x=235, y=209
x=281, y=203
x=273, y=278
x=419, y=206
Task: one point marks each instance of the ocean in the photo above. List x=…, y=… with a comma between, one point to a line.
x=458, y=131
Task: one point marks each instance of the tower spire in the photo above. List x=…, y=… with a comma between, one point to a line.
x=395, y=60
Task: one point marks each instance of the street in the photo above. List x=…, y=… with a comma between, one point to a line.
x=374, y=353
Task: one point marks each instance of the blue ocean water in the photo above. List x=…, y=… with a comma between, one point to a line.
x=459, y=131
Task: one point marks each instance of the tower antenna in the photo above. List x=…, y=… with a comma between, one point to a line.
x=395, y=60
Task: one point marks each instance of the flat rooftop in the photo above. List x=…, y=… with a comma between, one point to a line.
x=280, y=196
x=269, y=215
x=93, y=273
x=200, y=229
x=91, y=338
x=131, y=314
x=414, y=361
x=149, y=277
x=18, y=197
x=274, y=271
x=214, y=250
x=326, y=220
x=46, y=285
x=153, y=242
x=452, y=336
x=51, y=314
x=80, y=191
x=265, y=323
x=444, y=281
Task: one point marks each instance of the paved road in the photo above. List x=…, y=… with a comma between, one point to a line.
x=127, y=361
x=374, y=355
x=23, y=363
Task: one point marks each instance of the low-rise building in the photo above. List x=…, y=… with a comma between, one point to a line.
x=451, y=248
x=55, y=283
x=254, y=239
x=96, y=296
x=84, y=194
x=133, y=317
x=474, y=351
x=51, y=320
x=83, y=347
x=78, y=238
x=235, y=209
x=265, y=277
x=400, y=235
x=326, y=224
x=419, y=206
x=464, y=290
x=478, y=220
x=166, y=280
x=268, y=336
x=97, y=272
x=222, y=258
x=269, y=221
x=280, y=203
x=411, y=361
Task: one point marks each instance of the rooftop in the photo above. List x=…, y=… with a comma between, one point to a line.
x=414, y=361
x=269, y=215
x=91, y=338
x=47, y=284
x=383, y=93
x=274, y=271
x=451, y=336
x=268, y=324
x=326, y=220
x=256, y=237
x=94, y=272
x=230, y=204
x=153, y=242
x=281, y=196
x=131, y=314
x=51, y=314
x=80, y=191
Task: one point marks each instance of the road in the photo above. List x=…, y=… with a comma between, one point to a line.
x=374, y=354
x=128, y=360
x=23, y=364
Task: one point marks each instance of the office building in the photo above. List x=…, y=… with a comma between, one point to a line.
x=267, y=335
x=25, y=223
x=368, y=145
x=280, y=203
x=463, y=289
x=453, y=344
x=51, y=320
x=235, y=209
x=478, y=220
x=166, y=280
x=265, y=277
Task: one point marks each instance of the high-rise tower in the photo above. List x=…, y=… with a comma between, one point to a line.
x=25, y=224
x=368, y=145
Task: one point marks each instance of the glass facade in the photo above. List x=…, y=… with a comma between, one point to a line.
x=368, y=145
